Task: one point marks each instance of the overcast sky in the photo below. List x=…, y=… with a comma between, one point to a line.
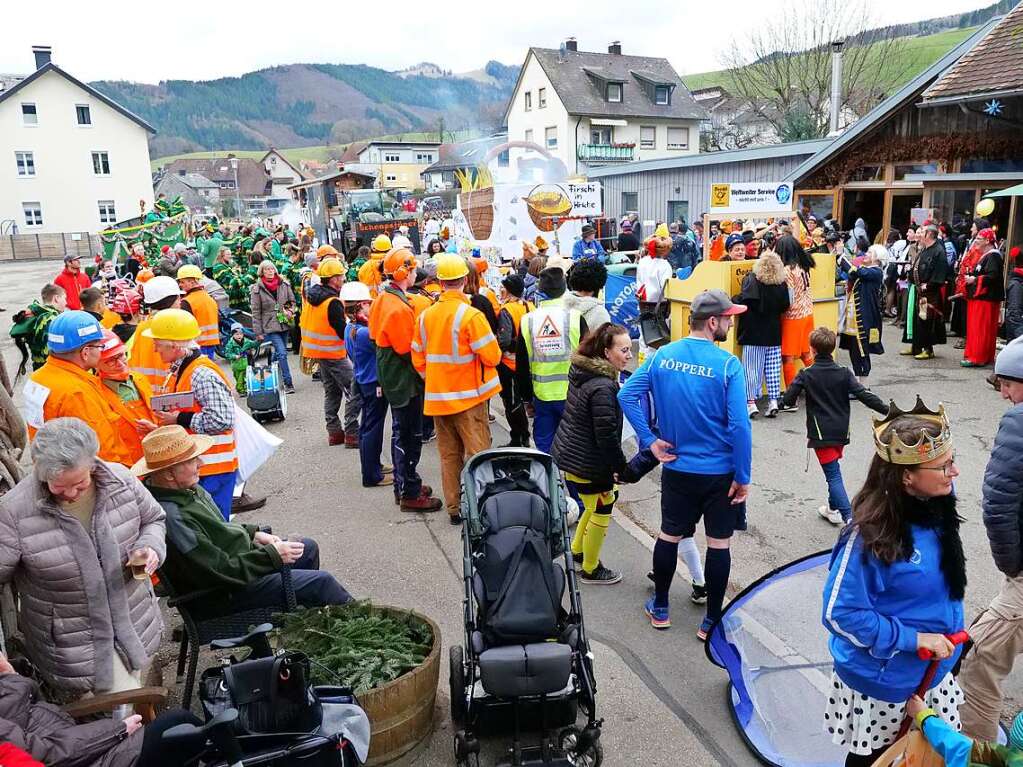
x=116, y=40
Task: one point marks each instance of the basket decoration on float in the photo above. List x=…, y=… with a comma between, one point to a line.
x=548, y=203
x=477, y=200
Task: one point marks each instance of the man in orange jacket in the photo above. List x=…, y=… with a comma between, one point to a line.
x=65, y=387
x=457, y=354
x=392, y=326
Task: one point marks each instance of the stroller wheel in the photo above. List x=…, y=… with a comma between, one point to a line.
x=467, y=750
x=581, y=749
x=456, y=682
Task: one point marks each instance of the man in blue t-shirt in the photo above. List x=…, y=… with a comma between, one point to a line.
x=704, y=444
x=589, y=246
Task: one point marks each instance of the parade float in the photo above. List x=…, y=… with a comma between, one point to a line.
x=166, y=224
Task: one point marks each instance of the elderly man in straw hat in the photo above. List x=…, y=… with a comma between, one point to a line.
x=204, y=551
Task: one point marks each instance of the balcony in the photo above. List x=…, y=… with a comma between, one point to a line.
x=606, y=153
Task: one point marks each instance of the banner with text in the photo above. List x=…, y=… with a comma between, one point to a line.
x=752, y=197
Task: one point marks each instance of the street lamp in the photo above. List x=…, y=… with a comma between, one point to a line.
x=237, y=193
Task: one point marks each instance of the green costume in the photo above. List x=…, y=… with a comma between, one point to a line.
x=29, y=331
x=235, y=283
x=211, y=249
x=276, y=254
x=234, y=352
x=204, y=551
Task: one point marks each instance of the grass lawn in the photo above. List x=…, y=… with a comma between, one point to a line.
x=918, y=53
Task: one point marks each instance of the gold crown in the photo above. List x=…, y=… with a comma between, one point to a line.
x=926, y=449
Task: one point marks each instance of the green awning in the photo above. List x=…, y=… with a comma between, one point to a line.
x=1012, y=191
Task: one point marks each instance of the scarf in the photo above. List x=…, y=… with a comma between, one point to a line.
x=272, y=284
x=940, y=515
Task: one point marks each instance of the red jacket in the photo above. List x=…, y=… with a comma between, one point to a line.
x=73, y=285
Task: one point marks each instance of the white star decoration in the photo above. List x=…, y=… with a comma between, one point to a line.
x=993, y=107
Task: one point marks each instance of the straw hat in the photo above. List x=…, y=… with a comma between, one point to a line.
x=168, y=446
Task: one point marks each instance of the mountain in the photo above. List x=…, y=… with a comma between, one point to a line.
x=308, y=104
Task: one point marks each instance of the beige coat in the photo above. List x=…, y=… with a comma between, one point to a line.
x=79, y=604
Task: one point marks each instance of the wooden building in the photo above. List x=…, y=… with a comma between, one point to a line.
x=935, y=148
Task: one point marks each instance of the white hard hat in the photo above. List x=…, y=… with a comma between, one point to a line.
x=159, y=288
x=355, y=291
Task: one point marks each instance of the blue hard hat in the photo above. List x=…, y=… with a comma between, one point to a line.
x=733, y=239
x=73, y=330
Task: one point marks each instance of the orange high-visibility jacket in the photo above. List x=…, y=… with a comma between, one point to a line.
x=370, y=274
x=207, y=314
x=516, y=309
x=319, y=339
x=223, y=456
x=110, y=318
x=457, y=353
x=143, y=359
x=60, y=389
x=491, y=296
x=392, y=320
x=131, y=412
x=420, y=303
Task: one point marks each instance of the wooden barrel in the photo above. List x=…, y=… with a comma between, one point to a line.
x=401, y=712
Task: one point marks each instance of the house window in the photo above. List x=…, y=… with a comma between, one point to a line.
x=29, y=116
x=503, y=159
x=614, y=92
x=529, y=136
x=101, y=163
x=551, y=134
x=424, y=159
x=647, y=137
x=528, y=100
x=33, y=213
x=600, y=135
x=661, y=94
x=26, y=163
x=901, y=171
x=541, y=98
x=630, y=202
x=391, y=178
x=83, y=114
x=106, y=212
x=678, y=138
x=392, y=158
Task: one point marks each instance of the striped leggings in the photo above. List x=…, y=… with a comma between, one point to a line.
x=762, y=362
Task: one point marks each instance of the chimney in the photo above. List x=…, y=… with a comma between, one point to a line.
x=42, y=54
x=836, y=83
x=571, y=44
x=615, y=48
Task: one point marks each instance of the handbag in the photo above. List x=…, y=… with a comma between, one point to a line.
x=273, y=694
x=911, y=749
x=653, y=325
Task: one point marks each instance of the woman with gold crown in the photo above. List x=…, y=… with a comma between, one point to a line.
x=896, y=586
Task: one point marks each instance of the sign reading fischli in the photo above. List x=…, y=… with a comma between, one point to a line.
x=751, y=197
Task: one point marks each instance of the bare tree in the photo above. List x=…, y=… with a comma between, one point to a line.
x=783, y=68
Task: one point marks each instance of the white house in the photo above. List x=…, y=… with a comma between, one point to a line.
x=592, y=109
x=281, y=172
x=71, y=159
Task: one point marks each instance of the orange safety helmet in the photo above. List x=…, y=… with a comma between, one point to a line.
x=144, y=275
x=480, y=264
x=325, y=251
x=400, y=263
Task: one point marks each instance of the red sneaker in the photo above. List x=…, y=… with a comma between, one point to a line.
x=422, y=503
x=351, y=441
x=335, y=438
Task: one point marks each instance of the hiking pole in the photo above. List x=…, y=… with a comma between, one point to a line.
x=957, y=638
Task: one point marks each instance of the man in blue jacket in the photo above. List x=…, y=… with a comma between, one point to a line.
x=705, y=446
x=998, y=633
x=589, y=246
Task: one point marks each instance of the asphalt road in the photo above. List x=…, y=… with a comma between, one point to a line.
x=663, y=702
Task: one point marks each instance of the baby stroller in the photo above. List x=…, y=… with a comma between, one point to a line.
x=526, y=664
x=262, y=711
x=266, y=398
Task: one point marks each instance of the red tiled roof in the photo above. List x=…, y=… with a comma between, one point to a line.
x=253, y=180
x=994, y=65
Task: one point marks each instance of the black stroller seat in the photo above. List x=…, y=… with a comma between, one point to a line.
x=519, y=591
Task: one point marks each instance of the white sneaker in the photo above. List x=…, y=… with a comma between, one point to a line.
x=572, y=515
x=751, y=408
x=831, y=515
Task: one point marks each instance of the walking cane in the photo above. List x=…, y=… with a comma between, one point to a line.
x=957, y=638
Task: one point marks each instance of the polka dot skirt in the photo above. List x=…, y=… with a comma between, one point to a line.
x=864, y=724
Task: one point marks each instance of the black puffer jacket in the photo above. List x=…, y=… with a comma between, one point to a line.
x=766, y=297
x=589, y=439
x=1003, y=494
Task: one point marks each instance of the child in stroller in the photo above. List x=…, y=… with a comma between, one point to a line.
x=526, y=660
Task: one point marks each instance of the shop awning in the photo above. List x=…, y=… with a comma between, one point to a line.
x=1012, y=191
